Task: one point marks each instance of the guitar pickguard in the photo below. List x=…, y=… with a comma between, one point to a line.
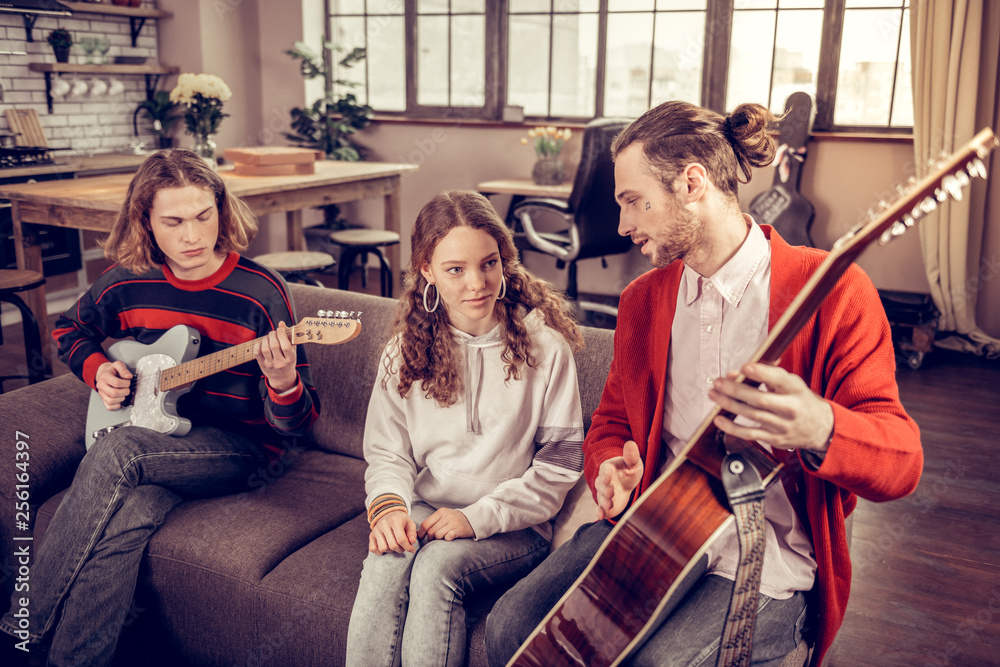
x=147, y=407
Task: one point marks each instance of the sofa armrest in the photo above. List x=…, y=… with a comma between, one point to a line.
x=52, y=415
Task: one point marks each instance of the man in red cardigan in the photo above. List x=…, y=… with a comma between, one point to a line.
x=830, y=409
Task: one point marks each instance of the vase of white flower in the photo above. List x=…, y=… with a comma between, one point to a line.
x=548, y=168
x=203, y=95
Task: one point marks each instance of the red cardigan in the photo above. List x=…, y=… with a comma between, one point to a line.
x=844, y=353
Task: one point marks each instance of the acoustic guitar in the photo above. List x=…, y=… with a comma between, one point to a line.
x=782, y=205
x=609, y=610
x=165, y=370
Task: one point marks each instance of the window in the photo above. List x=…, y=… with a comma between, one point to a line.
x=577, y=59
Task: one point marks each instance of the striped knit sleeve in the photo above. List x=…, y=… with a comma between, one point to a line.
x=289, y=413
x=80, y=330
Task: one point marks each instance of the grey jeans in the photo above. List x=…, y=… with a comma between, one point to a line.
x=409, y=608
x=89, y=560
x=691, y=624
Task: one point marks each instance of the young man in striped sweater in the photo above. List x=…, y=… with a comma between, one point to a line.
x=831, y=410
x=175, y=244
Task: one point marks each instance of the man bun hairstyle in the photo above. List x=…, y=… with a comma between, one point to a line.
x=676, y=134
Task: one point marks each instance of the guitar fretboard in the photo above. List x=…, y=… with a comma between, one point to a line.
x=196, y=369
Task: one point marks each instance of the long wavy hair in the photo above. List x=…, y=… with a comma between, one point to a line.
x=675, y=134
x=131, y=242
x=426, y=350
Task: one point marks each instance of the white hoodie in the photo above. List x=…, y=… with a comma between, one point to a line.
x=505, y=454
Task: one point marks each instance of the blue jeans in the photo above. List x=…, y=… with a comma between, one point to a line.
x=409, y=608
x=88, y=563
x=691, y=623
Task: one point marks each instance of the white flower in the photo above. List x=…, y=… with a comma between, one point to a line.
x=209, y=85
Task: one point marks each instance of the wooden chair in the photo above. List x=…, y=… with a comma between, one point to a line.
x=13, y=281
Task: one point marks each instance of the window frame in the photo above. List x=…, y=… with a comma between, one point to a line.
x=715, y=66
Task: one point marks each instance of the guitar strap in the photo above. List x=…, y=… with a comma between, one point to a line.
x=746, y=498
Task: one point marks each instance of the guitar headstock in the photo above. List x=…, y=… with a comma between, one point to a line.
x=947, y=181
x=325, y=330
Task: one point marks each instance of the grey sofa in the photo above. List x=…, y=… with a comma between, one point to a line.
x=266, y=577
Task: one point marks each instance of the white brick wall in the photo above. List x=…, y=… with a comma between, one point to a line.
x=84, y=124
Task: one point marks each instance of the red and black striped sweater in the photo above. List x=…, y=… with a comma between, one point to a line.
x=238, y=303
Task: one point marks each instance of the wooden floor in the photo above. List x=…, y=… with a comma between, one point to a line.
x=926, y=588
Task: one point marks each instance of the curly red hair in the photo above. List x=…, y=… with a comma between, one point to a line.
x=426, y=349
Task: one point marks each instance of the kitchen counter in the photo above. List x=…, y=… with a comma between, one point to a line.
x=78, y=164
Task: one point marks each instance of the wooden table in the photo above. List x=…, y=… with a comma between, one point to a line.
x=92, y=203
x=525, y=187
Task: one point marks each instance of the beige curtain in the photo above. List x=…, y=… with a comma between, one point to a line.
x=956, y=51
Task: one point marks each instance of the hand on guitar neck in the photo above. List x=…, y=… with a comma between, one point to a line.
x=616, y=480
x=276, y=356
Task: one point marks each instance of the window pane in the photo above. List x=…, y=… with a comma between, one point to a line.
x=796, y=58
x=432, y=60
x=680, y=4
x=801, y=4
x=630, y=5
x=348, y=34
x=528, y=64
x=386, y=63
x=902, y=105
x=468, y=61
x=750, y=58
x=432, y=6
x=626, y=80
x=867, y=67
x=677, y=60
x=755, y=4
x=347, y=6
x=518, y=6
x=467, y=6
x=376, y=7
x=575, y=65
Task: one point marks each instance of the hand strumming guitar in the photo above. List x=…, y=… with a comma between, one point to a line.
x=616, y=479
x=113, y=383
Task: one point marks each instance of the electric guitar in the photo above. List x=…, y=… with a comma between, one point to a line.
x=611, y=607
x=165, y=370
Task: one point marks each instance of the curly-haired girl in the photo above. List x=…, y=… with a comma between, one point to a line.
x=474, y=431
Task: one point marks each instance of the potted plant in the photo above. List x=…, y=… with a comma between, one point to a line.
x=162, y=114
x=61, y=40
x=330, y=122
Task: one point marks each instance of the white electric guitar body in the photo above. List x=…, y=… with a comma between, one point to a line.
x=167, y=369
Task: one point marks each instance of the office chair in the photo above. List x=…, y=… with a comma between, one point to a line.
x=591, y=213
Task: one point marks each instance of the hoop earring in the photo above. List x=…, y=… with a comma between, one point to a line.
x=503, y=287
x=437, y=298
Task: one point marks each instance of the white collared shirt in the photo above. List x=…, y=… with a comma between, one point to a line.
x=719, y=323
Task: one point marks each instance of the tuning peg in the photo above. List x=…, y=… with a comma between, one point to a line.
x=909, y=220
x=976, y=168
x=898, y=228
x=928, y=204
x=952, y=187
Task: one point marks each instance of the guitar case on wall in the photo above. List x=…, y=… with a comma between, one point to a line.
x=781, y=205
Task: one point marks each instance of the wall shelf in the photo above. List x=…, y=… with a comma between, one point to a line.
x=151, y=72
x=136, y=15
